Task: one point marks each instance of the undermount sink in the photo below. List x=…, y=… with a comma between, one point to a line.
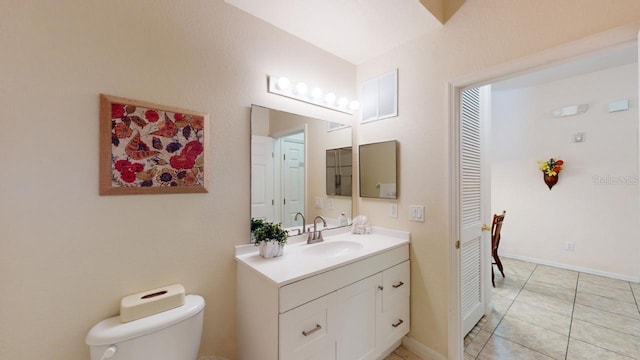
x=333, y=248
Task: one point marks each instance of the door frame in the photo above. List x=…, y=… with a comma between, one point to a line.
x=582, y=48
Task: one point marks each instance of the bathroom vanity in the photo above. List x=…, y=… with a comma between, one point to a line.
x=344, y=298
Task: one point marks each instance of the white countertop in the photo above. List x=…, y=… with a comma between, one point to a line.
x=298, y=262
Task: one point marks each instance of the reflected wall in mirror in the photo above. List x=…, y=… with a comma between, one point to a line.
x=378, y=170
x=339, y=171
x=288, y=168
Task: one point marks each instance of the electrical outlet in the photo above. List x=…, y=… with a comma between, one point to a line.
x=330, y=204
x=568, y=246
x=318, y=203
x=393, y=210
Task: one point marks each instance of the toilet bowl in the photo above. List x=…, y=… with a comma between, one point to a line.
x=170, y=335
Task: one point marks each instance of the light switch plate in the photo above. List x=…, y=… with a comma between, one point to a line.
x=330, y=204
x=318, y=203
x=416, y=213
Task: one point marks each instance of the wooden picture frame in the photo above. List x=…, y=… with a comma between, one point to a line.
x=147, y=148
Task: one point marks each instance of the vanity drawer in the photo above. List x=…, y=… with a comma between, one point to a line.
x=394, y=323
x=307, y=332
x=396, y=282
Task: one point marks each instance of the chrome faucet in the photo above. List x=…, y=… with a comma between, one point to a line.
x=317, y=234
x=295, y=218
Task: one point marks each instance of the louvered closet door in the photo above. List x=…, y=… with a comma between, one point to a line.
x=471, y=208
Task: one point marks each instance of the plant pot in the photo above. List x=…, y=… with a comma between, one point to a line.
x=550, y=180
x=270, y=249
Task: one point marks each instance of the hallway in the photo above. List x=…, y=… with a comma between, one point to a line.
x=542, y=312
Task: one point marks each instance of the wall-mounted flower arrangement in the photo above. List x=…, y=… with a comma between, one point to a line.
x=150, y=149
x=551, y=168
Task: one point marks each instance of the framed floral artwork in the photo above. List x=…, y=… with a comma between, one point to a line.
x=148, y=148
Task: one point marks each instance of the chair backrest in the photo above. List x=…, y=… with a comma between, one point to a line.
x=496, y=226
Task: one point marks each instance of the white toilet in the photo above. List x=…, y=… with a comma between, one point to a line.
x=170, y=335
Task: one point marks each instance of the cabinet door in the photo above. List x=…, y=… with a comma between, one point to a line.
x=394, y=316
x=356, y=311
x=308, y=331
x=397, y=284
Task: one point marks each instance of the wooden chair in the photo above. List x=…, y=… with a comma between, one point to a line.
x=496, y=226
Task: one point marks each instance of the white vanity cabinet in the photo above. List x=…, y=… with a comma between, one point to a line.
x=357, y=310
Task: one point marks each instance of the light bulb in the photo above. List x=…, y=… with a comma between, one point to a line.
x=354, y=105
x=330, y=98
x=316, y=93
x=342, y=102
x=301, y=88
x=283, y=83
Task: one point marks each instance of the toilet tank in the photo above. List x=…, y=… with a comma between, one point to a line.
x=170, y=335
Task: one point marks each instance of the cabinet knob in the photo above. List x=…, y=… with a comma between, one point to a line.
x=400, y=321
x=398, y=285
x=380, y=287
x=309, y=332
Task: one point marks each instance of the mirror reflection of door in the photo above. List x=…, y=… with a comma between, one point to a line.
x=262, y=186
x=292, y=177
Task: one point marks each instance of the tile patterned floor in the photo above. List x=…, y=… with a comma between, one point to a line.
x=542, y=312
x=402, y=354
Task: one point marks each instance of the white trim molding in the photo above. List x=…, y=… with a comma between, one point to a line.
x=421, y=350
x=572, y=267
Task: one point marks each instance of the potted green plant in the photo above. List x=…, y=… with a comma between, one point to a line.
x=255, y=225
x=271, y=237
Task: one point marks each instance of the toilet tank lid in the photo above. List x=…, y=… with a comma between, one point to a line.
x=112, y=331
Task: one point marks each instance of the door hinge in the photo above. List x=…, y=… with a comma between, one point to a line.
x=272, y=202
x=458, y=244
x=284, y=201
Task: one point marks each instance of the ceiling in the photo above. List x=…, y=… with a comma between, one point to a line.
x=354, y=30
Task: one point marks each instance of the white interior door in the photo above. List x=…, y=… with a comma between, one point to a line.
x=474, y=202
x=262, y=185
x=292, y=178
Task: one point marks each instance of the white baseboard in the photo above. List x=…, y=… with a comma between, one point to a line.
x=572, y=267
x=421, y=350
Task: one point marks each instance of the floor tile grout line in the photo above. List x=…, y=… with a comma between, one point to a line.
x=505, y=313
x=635, y=297
x=524, y=346
x=610, y=312
x=573, y=310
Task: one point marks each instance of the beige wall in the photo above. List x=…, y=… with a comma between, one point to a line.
x=595, y=203
x=67, y=255
x=482, y=34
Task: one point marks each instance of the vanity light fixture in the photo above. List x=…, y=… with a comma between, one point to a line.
x=282, y=86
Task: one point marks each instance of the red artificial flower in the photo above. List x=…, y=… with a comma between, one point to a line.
x=556, y=169
x=559, y=162
x=117, y=111
x=151, y=115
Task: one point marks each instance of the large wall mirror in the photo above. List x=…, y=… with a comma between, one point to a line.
x=378, y=170
x=289, y=169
